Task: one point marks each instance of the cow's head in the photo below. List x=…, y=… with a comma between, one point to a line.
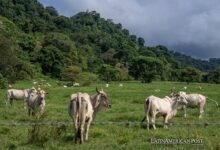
x=180, y=99
x=42, y=94
x=102, y=99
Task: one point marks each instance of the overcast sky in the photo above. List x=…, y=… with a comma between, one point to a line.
x=189, y=26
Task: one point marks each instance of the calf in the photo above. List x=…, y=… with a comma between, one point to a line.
x=83, y=108
x=166, y=107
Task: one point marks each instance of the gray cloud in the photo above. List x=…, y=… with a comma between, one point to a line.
x=190, y=26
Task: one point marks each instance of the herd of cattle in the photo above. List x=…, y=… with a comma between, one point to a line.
x=83, y=107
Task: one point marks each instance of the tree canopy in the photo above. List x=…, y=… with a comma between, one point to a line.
x=34, y=39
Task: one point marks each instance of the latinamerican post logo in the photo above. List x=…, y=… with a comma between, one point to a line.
x=193, y=141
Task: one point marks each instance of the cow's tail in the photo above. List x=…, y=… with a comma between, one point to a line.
x=81, y=108
x=147, y=110
x=82, y=116
x=213, y=101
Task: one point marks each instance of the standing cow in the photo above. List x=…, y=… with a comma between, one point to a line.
x=166, y=107
x=36, y=102
x=83, y=108
x=14, y=94
x=194, y=101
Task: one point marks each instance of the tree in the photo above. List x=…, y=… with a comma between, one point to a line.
x=214, y=76
x=146, y=69
x=141, y=41
x=3, y=82
x=8, y=56
x=108, y=72
x=51, y=10
x=52, y=60
x=190, y=74
x=71, y=73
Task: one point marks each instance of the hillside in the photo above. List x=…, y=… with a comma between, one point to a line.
x=203, y=65
x=85, y=45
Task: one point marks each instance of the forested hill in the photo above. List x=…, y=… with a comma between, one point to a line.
x=82, y=47
x=203, y=65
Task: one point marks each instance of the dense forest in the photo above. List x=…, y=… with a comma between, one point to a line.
x=85, y=47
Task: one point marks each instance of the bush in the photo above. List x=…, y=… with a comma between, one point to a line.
x=87, y=78
x=3, y=82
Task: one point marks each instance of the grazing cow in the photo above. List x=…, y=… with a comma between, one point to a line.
x=157, y=90
x=194, y=100
x=106, y=85
x=14, y=94
x=36, y=102
x=166, y=107
x=75, y=84
x=83, y=108
x=120, y=85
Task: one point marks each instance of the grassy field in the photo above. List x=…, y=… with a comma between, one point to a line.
x=115, y=128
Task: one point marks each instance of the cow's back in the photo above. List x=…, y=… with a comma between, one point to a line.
x=195, y=99
x=17, y=94
x=86, y=98
x=160, y=105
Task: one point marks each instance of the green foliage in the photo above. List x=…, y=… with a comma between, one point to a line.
x=42, y=37
x=146, y=69
x=141, y=41
x=108, y=72
x=190, y=74
x=71, y=73
x=214, y=76
x=203, y=65
x=40, y=134
x=87, y=78
x=3, y=82
x=52, y=60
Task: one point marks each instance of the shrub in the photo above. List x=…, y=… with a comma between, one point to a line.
x=3, y=82
x=87, y=78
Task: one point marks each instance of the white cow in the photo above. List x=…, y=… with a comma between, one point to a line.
x=166, y=107
x=36, y=102
x=106, y=85
x=83, y=108
x=194, y=100
x=75, y=84
x=14, y=94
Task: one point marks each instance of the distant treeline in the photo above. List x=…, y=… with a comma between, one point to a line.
x=85, y=47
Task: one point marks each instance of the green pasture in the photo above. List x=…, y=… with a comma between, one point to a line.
x=115, y=128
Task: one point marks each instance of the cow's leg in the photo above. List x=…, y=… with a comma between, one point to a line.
x=82, y=121
x=201, y=110
x=7, y=99
x=148, y=122
x=11, y=101
x=87, y=127
x=184, y=108
x=153, y=119
x=75, y=119
x=25, y=103
x=166, y=121
x=75, y=126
